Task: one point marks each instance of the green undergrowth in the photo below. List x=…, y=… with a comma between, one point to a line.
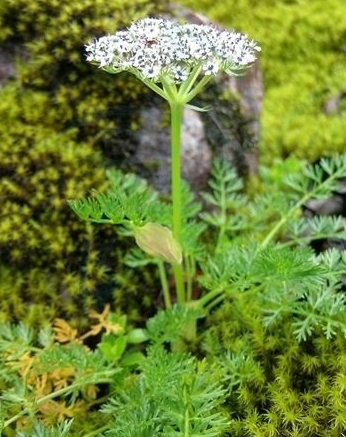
x=258, y=350
x=304, y=68
x=275, y=384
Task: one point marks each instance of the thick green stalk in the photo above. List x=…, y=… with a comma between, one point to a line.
x=176, y=120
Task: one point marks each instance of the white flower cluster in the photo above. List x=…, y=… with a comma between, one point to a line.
x=153, y=47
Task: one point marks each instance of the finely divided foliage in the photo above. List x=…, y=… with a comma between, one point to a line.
x=287, y=279
x=40, y=430
x=153, y=48
x=175, y=395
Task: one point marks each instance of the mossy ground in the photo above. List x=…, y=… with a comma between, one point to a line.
x=277, y=385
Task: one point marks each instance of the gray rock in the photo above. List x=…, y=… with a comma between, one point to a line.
x=196, y=152
x=333, y=105
x=334, y=205
x=7, y=63
x=152, y=154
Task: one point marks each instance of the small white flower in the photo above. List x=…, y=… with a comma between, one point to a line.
x=212, y=67
x=180, y=74
x=151, y=71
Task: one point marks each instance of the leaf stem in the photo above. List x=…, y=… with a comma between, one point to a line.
x=190, y=273
x=104, y=377
x=214, y=302
x=164, y=284
x=206, y=299
x=96, y=432
x=300, y=203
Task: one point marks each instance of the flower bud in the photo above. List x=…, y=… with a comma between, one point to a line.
x=157, y=240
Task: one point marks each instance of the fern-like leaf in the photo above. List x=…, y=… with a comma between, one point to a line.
x=40, y=430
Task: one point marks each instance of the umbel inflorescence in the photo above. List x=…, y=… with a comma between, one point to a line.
x=155, y=48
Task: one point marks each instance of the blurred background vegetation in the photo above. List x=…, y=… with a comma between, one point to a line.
x=58, y=133
x=62, y=124
x=304, y=66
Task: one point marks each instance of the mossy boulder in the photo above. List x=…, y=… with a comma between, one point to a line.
x=57, y=125
x=304, y=68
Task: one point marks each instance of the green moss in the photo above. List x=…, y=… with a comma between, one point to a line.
x=42, y=246
x=58, y=119
x=53, y=35
x=304, y=66
x=276, y=385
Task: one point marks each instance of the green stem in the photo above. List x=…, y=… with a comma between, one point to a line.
x=300, y=203
x=176, y=120
x=283, y=221
x=214, y=302
x=203, y=301
x=186, y=415
x=179, y=282
x=190, y=273
x=155, y=88
x=97, y=432
x=104, y=377
x=198, y=88
x=186, y=86
x=164, y=284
